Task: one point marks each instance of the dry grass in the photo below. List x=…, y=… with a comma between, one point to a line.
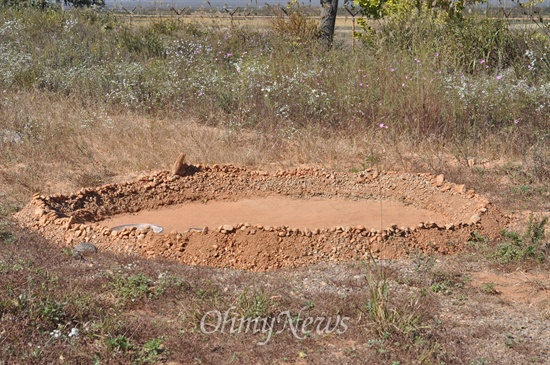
x=69, y=146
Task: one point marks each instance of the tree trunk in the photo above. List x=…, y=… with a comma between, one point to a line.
x=328, y=20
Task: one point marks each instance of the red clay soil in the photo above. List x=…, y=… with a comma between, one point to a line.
x=254, y=220
x=280, y=211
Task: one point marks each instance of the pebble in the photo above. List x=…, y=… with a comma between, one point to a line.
x=227, y=228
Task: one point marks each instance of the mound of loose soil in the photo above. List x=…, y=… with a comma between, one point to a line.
x=227, y=216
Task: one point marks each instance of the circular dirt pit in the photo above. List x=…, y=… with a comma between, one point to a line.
x=226, y=216
x=280, y=211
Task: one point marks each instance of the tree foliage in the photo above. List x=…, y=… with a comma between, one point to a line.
x=377, y=9
x=85, y=3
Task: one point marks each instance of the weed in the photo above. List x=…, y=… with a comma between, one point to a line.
x=476, y=237
x=386, y=317
x=7, y=208
x=52, y=311
x=530, y=245
x=210, y=294
x=445, y=283
x=254, y=304
x=536, y=231
x=133, y=287
x=118, y=343
x=489, y=288
x=528, y=190
x=6, y=236
x=423, y=263
x=479, y=361
x=440, y=287
x=151, y=351
x=510, y=341
x=508, y=252
x=297, y=27
x=166, y=281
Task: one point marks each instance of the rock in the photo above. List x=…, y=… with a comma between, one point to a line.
x=69, y=223
x=43, y=219
x=82, y=249
x=461, y=189
x=475, y=219
x=439, y=180
x=227, y=228
x=86, y=247
x=179, y=165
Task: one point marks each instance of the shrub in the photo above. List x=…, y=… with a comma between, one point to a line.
x=530, y=245
x=295, y=26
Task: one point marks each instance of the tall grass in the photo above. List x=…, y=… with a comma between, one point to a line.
x=470, y=88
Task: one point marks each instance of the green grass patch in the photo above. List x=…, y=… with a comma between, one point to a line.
x=529, y=245
x=489, y=288
x=387, y=315
x=254, y=303
x=133, y=287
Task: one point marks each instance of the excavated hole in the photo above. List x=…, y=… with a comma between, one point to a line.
x=281, y=211
x=226, y=216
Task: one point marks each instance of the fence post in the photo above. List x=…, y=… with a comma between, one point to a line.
x=353, y=15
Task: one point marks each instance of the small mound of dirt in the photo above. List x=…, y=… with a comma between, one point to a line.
x=227, y=216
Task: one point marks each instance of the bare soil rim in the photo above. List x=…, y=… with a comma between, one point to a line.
x=431, y=215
